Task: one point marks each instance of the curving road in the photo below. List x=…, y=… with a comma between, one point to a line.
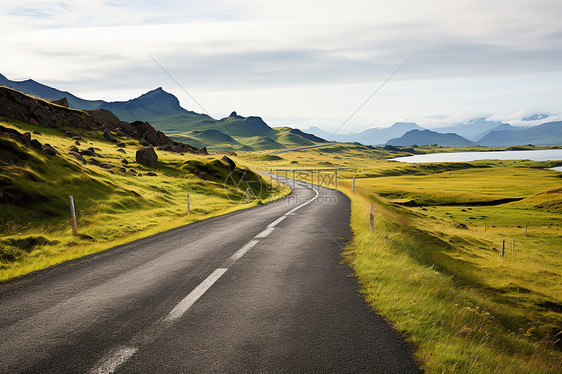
x=261, y=290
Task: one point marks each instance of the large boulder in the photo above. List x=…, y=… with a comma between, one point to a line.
x=229, y=161
x=108, y=135
x=146, y=156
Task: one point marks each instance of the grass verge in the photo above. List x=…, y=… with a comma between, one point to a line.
x=467, y=309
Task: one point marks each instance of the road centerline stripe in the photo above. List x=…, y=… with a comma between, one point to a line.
x=194, y=295
x=111, y=363
x=274, y=223
x=242, y=251
x=264, y=233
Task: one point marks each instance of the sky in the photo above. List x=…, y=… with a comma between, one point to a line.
x=299, y=63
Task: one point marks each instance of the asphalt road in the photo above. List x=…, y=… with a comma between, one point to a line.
x=262, y=290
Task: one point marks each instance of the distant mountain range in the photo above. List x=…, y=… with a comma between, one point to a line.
x=165, y=114
x=546, y=134
x=473, y=132
x=236, y=132
x=372, y=136
x=503, y=135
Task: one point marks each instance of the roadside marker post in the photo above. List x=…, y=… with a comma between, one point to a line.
x=372, y=217
x=513, y=247
x=353, y=185
x=336, y=179
x=188, y=205
x=73, y=216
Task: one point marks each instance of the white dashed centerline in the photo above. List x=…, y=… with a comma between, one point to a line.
x=264, y=233
x=110, y=363
x=194, y=295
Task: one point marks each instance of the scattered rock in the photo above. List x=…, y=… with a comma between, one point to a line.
x=121, y=145
x=77, y=142
x=229, y=161
x=78, y=156
x=74, y=149
x=87, y=152
x=48, y=149
x=132, y=171
x=86, y=237
x=200, y=174
x=71, y=134
x=33, y=121
x=36, y=133
x=146, y=156
x=151, y=174
x=121, y=150
x=93, y=150
x=462, y=226
x=124, y=161
x=108, y=135
x=94, y=162
x=35, y=144
x=122, y=170
x=144, y=143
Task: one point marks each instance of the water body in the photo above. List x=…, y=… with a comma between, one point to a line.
x=540, y=155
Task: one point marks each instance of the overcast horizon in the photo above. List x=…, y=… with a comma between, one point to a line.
x=298, y=64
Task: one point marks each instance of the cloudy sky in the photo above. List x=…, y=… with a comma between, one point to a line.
x=298, y=63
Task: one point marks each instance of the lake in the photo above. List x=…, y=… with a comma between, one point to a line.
x=539, y=155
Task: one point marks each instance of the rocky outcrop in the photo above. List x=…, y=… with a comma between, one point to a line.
x=25, y=140
x=61, y=102
x=146, y=156
x=18, y=106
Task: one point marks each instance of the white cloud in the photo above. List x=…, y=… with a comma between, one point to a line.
x=315, y=61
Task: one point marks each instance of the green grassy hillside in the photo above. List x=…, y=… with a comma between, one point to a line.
x=117, y=200
x=248, y=133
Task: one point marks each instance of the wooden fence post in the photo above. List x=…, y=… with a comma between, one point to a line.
x=503, y=247
x=73, y=216
x=513, y=247
x=353, y=185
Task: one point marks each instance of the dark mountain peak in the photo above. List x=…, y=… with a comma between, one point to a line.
x=154, y=103
x=233, y=114
x=157, y=92
x=405, y=124
x=427, y=137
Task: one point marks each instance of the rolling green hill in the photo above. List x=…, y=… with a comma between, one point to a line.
x=164, y=112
